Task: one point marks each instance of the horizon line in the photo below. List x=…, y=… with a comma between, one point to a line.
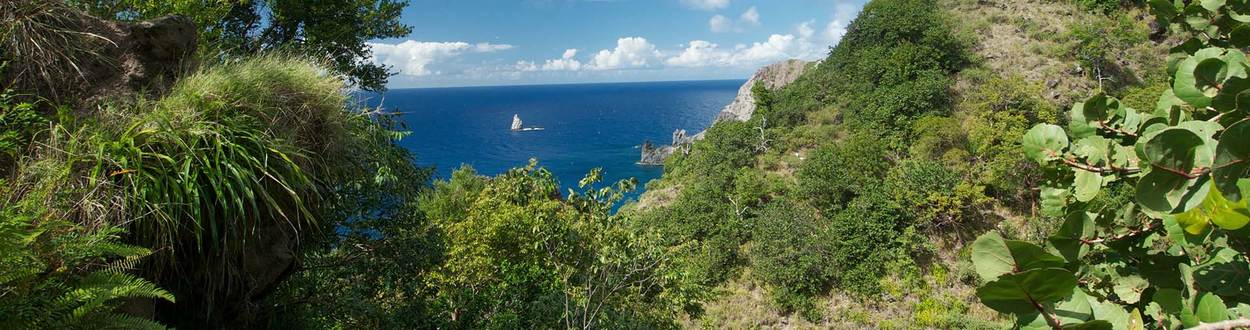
x=564, y=84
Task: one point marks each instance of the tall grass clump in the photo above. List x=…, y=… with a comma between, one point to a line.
x=46, y=43
x=229, y=150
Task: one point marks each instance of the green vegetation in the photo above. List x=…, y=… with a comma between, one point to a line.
x=891, y=185
x=1173, y=255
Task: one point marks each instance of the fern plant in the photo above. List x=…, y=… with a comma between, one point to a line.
x=58, y=275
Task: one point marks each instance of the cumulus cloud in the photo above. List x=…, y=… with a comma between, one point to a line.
x=751, y=16
x=720, y=24
x=564, y=63
x=629, y=52
x=699, y=53
x=706, y=4
x=413, y=57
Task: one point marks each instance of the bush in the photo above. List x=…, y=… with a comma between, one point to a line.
x=835, y=173
x=867, y=236
x=936, y=196
x=791, y=253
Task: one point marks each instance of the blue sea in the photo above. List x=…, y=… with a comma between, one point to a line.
x=585, y=125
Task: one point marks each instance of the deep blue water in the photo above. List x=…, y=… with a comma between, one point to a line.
x=586, y=125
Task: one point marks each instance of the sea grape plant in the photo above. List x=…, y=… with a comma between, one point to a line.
x=1174, y=254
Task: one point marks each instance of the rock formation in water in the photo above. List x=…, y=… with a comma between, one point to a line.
x=773, y=76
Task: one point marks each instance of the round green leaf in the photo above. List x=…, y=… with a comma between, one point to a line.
x=1232, y=159
x=1077, y=227
x=1044, y=143
x=1198, y=76
x=1169, y=187
x=1087, y=185
x=1015, y=293
x=1211, y=308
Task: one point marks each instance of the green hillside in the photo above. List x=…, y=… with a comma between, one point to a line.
x=951, y=164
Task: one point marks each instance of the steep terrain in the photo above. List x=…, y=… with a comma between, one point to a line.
x=1022, y=61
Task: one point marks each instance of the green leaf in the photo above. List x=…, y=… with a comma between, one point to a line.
x=992, y=256
x=1110, y=312
x=1129, y=288
x=1232, y=159
x=1173, y=154
x=1077, y=227
x=1087, y=185
x=1198, y=76
x=1212, y=5
x=1211, y=308
x=1075, y=308
x=1016, y=293
x=1054, y=200
x=1044, y=143
x=1091, y=325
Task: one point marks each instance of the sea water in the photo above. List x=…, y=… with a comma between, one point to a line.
x=584, y=125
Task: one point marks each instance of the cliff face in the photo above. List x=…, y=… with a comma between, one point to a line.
x=773, y=76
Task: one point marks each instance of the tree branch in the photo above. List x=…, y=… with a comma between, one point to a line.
x=1241, y=323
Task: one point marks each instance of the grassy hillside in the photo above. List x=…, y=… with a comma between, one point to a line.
x=888, y=157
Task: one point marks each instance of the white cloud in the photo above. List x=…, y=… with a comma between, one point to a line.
x=564, y=63
x=629, y=52
x=751, y=16
x=706, y=4
x=413, y=57
x=526, y=66
x=805, y=30
x=699, y=53
x=842, y=16
x=720, y=24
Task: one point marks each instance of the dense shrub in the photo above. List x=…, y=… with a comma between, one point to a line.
x=867, y=236
x=936, y=196
x=835, y=173
x=791, y=253
x=518, y=256
x=893, y=64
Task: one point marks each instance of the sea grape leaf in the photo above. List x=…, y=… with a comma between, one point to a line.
x=1232, y=159
x=1077, y=227
x=1054, y=199
x=992, y=256
x=1240, y=36
x=1211, y=308
x=1044, y=143
x=1129, y=288
x=1226, y=273
x=1016, y=293
x=1075, y=308
x=1093, y=148
x=1087, y=185
x=1169, y=187
x=1198, y=76
x=1110, y=312
x=1212, y=5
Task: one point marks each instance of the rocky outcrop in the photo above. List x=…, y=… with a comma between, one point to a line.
x=91, y=59
x=773, y=76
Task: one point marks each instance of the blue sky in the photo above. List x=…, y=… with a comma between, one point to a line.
x=499, y=42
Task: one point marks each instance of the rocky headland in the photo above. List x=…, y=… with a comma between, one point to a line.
x=773, y=76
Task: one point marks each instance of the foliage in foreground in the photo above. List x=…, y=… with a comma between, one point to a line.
x=1174, y=255
x=519, y=255
x=58, y=274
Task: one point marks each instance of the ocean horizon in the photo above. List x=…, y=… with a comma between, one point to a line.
x=585, y=125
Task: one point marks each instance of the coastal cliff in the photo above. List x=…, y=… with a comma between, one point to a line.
x=773, y=76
